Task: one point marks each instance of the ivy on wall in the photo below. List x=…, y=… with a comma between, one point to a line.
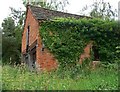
x=67, y=37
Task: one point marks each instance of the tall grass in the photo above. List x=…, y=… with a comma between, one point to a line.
x=19, y=78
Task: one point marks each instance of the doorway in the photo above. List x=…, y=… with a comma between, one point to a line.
x=33, y=58
x=95, y=53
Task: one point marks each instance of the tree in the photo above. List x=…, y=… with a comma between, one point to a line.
x=8, y=27
x=12, y=35
x=101, y=9
x=10, y=51
x=51, y=4
x=18, y=16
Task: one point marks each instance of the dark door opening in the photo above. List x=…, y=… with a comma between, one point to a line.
x=95, y=53
x=26, y=59
x=33, y=57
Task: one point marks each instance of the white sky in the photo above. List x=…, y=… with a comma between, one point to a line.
x=74, y=7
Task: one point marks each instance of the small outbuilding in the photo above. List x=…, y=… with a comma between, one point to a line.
x=33, y=52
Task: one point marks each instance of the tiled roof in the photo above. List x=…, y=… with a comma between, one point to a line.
x=42, y=13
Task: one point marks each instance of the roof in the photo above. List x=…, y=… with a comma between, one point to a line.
x=43, y=13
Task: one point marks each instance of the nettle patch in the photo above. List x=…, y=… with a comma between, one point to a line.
x=66, y=38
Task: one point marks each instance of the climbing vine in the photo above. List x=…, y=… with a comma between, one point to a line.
x=66, y=38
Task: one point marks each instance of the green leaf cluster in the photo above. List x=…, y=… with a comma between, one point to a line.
x=67, y=37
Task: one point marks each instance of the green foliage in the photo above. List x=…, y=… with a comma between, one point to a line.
x=118, y=49
x=10, y=52
x=63, y=41
x=18, y=78
x=11, y=41
x=8, y=27
x=66, y=38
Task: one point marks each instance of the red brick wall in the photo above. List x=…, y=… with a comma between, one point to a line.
x=86, y=53
x=44, y=59
x=34, y=26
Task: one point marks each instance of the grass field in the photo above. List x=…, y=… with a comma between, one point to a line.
x=18, y=78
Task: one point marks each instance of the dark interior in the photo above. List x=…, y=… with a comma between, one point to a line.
x=95, y=53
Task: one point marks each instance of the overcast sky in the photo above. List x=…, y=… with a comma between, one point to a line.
x=74, y=7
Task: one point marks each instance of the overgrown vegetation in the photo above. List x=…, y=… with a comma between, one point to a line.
x=19, y=78
x=66, y=38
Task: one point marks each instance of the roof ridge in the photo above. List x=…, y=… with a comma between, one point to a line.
x=44, y=13
x=55, y=10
